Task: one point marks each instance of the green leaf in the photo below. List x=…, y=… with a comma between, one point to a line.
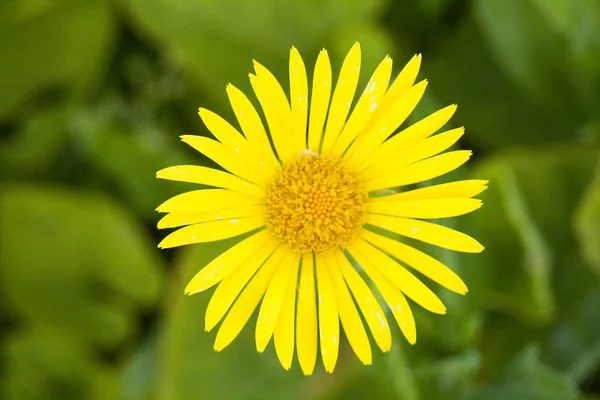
x=526, y=378
x=492, y=107
x=531, y=52
x=399, y=369
x=58, y=44
x=517, y=258
x=216, y=41
x=559, y=14
x=76, y=262
x=45, y=363
x=587, y=224
x=584, y=39
x=34, y=150
x=551, y=183
x=127, y=159
x=449, y=377
x=141, y=370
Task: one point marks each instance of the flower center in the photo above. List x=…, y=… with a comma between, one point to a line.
x=315, y=204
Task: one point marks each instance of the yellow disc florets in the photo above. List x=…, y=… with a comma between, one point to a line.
x=315, y=204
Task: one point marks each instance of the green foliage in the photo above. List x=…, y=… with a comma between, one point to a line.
x=51, y=45
x=586, y=224
x=85, y=271
x=93, y=97
x=526, y=379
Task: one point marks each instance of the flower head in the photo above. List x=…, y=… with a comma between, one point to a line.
x=311, y=208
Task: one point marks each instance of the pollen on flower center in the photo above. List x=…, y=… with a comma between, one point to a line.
x=315, y=204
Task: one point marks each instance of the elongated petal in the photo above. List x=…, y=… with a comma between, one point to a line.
x=208, y=200
x=176, y=219
x=210, y=177
x=391, y=294
x=404, y=81
x=221, y=155
x=426, y=208
x=370, y=141
x=366, y=106
x=251, y=124
x=284, y=331
x=277, y=110
x=299, y=100
x=230, y=287
x=401, y=278
x=222, y=266
x=427, y=232
x=211, y=231
x=245, y=305
x=306, y=317
x=351, y=322
x=329, y=324
x=425, y=264
x=367, y=303
x=420, y=171
x=273, y=301
x=237, y=144
x=319, y=101
x=418, y=131
x=342, y=97
x=414, y=152
x=468, y=188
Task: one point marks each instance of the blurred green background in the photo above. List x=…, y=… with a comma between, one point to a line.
x=93, y=97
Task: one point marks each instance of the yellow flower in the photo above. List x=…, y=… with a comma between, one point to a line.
x=313, y=201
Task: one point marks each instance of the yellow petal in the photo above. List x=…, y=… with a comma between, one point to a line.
x=222, y=266
x=413, y=152
x=208, y=200
x=366, y=106
x=245, y=305
x=427, y=232
x=176, y=219
x=426, y=208
x=211, y=231
x=367, y=303
x=277, y=110
x=401, y=278
x=468, y=188
x=329, y=324
x=404, y=81
x=342, y=97
x=230, y=287
x=351, y=322
x=418, y=131
x=368, y=142
x=237, y=144
x=273, y=300
x=210, y=177
x=306, y=317
x=284, y=331
x=319, y=100
x=392, y=296
x=251, y=124
x=221, y=155
x=420, y=171
x=299, y=100
x=425, y=264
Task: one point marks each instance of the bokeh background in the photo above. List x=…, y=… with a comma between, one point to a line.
x=93, y=97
